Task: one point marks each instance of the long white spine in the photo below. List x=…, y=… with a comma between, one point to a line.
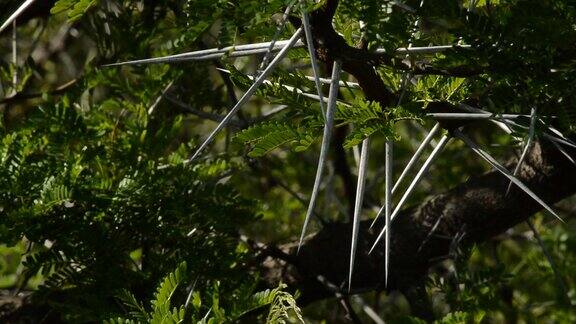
x=334, y=88
x=362, y=166
x=249, y=92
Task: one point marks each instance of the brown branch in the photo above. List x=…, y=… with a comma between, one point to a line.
x=360, y=63
x=473, y=211
x=470, y=213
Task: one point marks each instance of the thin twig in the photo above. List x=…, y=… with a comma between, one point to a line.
x=337, y=291
x=25, y=96
x=350, y=313
x=353, y=85
x=203, y=114
x=555, y=270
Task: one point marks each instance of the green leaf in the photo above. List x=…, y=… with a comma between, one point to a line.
x=74, y=9
x=135, y=308
x=266, y=137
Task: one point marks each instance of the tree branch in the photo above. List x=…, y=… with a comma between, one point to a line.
x=474, y=211
x=360, y=63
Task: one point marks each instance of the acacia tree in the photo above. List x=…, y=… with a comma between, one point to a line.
x=115, y=177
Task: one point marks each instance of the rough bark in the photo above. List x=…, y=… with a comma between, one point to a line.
x=470, y=213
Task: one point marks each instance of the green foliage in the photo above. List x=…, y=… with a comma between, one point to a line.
x=281, y=305
x=96, y=204
x=161, y=304
x=438, y=88
x=96, y=199
x=265, y=137
x=135, y=309
x=368, y=118
x=74, y=9
x=251, y=18
x=461, y=317
x=164, y=309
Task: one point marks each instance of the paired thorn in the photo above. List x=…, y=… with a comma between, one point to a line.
x=358, y=205
x=293, y=89
x=258, y=48
x=274, y=39
x=488, y=158
x=500, y=124
x=506, y=124
x=559, y=140
x=334, y=88
x=557, y=132
x=475, y=116
x=248, y=93
x=416, y=155
x=563, y=151
x=214, y=53
x=312, y=53
x=410, y=164
x=443, y=141
x=526, y=148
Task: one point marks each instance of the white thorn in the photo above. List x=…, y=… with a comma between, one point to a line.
x=415, y=181
x=15, y=15
x=358, y=205
x=416, y=155
x=474, y=116
x=312, y=53
x=249, y=92
x=388, y=205
x=526, y=148
x=274, y=39
x=259, y=48
x=324, y=148
x=488, y=158
x=213, y=53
